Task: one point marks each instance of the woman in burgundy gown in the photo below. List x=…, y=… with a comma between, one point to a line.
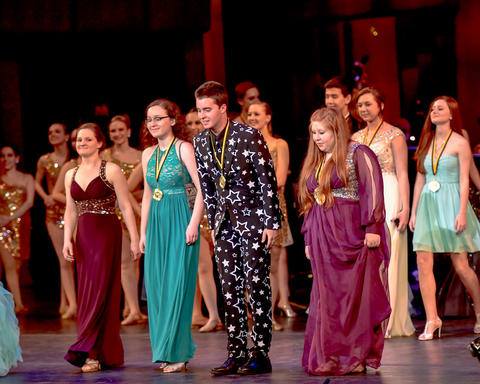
x=91, y=191
x=341, y=196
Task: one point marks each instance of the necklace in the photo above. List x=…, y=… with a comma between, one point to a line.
x=222, y=180
x=318, y=194
x=157, y=192
x=434, y=185
x=365, y=137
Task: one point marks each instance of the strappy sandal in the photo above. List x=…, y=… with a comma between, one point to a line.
x=91, y=365
x=175, y=368
x=161, y=366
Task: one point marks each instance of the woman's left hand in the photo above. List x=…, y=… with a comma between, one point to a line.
x=191, y=235
x=372, y=240
x=402, y=220
x=461, y=222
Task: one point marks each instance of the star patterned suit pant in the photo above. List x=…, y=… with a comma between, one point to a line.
x=243, y=263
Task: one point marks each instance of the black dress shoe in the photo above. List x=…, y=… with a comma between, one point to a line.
x=229, y=367
x=257, y=363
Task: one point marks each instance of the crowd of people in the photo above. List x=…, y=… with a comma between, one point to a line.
x=209, y=185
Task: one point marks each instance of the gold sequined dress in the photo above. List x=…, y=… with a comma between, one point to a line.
x=15, y=236
x=54, y=214
x=284, y=236
x=400, y=323
x=127, y=169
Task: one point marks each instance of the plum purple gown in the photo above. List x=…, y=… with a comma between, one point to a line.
x=98, y=252
x=349, y=301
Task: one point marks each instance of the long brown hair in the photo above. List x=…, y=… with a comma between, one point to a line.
x=334, y=121
x=428, y=130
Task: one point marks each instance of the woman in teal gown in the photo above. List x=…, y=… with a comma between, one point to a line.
x=169, y=237
x=10, y=352
x=442, y=219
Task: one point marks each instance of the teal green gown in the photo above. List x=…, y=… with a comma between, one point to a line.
x=436, y=213
x=170, y=264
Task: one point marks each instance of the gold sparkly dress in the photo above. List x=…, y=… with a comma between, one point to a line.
x=284, y=235
x=54, y=214
x=399, y=323
x=15, y=236
x=127, y=169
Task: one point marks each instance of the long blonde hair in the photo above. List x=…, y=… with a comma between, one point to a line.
x=334, y=121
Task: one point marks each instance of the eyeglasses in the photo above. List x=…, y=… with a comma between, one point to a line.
x=156, y=119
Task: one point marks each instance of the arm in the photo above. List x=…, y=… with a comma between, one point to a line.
x=188, y=158
x=70, y=219
x=464, y=157
x=58, y=192
x=27, y=204
x=417, y=190
x=146, y=199
x=207, y=184
x=370, y=191
x=116, y=177
x=135, y=177
x=473, y=171
x=40, y=173
x=400, y=156
x=283, y=162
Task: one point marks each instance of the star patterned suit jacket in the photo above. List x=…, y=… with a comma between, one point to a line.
x=250, y=195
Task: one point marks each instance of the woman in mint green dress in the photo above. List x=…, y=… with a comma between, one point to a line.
x=442, y=219
x=169, y=237
x=10, y=352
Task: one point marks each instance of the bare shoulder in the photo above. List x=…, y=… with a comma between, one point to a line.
x=459, y=140
x=147, y=152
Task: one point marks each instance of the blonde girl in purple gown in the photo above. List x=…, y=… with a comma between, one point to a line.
x=341, y=196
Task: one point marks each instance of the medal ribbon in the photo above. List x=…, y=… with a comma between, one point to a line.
x=159, y=165
x=435, y=163
x=319, y=169
x=222, y=155
x=374, y=134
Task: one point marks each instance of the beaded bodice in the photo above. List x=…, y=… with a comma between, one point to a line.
x=99, y=196
x=382, y=146
x=173, y=175
x=339, y=190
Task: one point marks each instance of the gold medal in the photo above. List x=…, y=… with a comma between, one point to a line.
x=319, y=196
x=157, y=194
x=222, y=182
x=434, y=185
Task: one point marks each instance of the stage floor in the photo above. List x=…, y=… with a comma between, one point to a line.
x=405, y=360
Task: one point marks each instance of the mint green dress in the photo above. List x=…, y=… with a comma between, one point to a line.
x=436, y=213
x=10, y=352
x=170, y=264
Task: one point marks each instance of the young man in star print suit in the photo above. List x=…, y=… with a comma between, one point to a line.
x=240, y=193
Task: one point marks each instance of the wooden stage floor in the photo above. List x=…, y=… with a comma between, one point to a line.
x=405, y=360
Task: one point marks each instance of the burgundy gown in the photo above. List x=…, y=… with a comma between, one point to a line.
x=98, y=249
x=349, y=300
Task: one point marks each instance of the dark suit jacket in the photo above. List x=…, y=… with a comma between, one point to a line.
x=250, y=196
